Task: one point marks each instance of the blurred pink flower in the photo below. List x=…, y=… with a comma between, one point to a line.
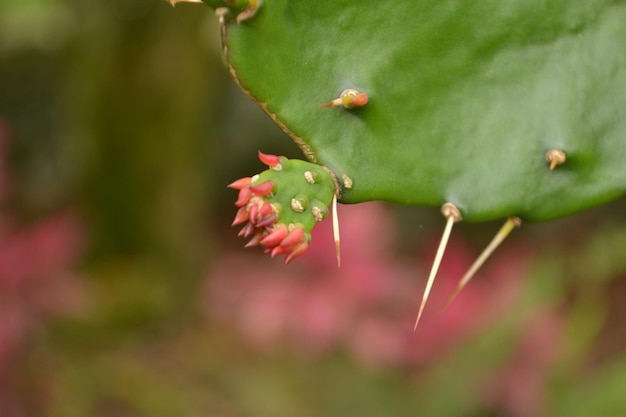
x=35, y=277
x=518, y=389
x=368, y=305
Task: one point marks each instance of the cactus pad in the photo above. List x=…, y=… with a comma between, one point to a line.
x=465, y=98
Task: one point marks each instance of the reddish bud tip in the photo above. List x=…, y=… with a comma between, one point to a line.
x=244, y=197
x=266, y=221
x=255, y=241
x=248, y=230
x=298, y=250
x=295, y=236
x=276, y=250
x=240, y=183
x=359, y=100
x=262, y=189
x=253, y=212
x=275, y=237
x=269, y=160
x=266, y=209
x=241, y=216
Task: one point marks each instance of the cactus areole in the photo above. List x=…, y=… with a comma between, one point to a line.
x=464, y=99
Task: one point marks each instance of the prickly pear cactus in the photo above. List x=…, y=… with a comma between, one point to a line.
x=488, y=109
x=466, y=98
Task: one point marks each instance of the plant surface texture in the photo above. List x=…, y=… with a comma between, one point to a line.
x=465, y=99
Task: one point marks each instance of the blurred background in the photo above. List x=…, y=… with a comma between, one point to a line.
x=124, y=291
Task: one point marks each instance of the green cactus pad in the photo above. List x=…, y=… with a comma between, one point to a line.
x=280, y=206
x=465, y=97
x=290, y=183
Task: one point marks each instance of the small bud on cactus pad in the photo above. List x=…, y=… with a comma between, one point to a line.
x=267, y=209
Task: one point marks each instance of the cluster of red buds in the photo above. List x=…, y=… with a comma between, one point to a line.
x=261, y=213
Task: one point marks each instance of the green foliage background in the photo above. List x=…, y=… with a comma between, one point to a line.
x=122, y=112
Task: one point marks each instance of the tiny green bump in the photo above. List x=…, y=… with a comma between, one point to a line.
x=278, y=208
x=320, y=212
x=311, y=177
x=299, y=203
x=347, y=181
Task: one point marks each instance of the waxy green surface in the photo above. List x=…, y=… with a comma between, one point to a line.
x=465, y=97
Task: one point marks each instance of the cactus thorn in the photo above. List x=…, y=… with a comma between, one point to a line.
x=505, y=230
x=336, y=236
x=452, y=215
x=348, y=99
x=173, y=2
x=555, y=157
